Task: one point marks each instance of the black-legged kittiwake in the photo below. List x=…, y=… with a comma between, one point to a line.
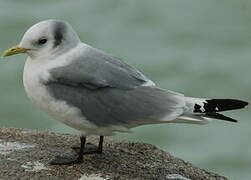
x=99, y=94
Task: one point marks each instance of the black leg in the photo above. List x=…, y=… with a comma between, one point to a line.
x=91, y=148
x=100, y=144
x=82, y=147
x=59, y=160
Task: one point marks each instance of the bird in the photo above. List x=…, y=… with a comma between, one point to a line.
x=97, y=93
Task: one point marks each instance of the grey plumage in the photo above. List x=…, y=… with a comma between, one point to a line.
x=109, y=92
x=59, y=30
x=96, y=69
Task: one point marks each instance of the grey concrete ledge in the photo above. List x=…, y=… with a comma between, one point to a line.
x=25, y=154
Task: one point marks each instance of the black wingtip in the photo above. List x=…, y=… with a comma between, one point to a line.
x=219, y=116
x=216, y=105
x=245, y=103
x=241, y=103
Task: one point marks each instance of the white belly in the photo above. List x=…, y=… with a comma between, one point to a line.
x=33, y=78
x=34, y=75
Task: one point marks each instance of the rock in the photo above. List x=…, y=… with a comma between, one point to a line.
x=25, y=154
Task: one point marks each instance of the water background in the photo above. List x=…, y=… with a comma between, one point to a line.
x=199, y=48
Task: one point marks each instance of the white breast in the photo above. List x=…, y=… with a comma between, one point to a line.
x=35, y=73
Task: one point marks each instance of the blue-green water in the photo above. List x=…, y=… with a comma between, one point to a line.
x=199, y=48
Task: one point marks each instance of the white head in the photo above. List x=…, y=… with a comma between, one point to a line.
x=46, y=38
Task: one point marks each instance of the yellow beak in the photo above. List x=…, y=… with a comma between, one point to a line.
x=14, y=50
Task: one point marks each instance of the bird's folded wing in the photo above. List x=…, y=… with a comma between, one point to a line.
x=110, y=92
x=95, y=69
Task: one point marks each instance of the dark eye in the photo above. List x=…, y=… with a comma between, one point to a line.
x=42, y=41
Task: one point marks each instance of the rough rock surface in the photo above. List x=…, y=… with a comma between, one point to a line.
x=25, y=154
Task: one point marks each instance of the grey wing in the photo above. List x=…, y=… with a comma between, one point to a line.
x=96, y=69
x=110, y=92
x=112, y=106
